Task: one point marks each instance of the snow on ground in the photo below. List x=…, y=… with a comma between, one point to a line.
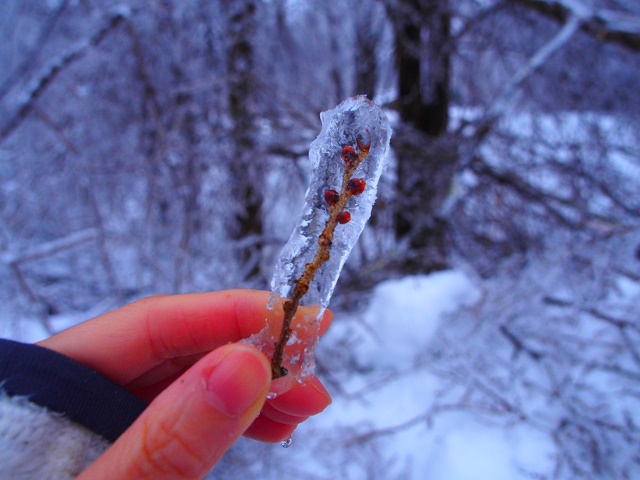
x=404, y=314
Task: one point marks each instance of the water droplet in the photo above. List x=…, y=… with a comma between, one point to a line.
x=287, y=443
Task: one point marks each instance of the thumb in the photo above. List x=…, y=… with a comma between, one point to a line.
x=188, y=427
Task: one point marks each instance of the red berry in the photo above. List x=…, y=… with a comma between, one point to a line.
x=349, y=154
x=344, y=217
x=364, y=141
x=331, y=197
x=355, y=186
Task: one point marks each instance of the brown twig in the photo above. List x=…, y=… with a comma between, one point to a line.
x=336, y=216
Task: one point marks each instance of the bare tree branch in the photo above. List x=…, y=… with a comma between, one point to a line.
x=30, y=98
x=607, y=25
x=30, y=56
x=50, y=248
x=15, y=259
x=535, y=62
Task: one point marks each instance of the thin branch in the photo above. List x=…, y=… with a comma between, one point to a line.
x=616, y=322
x=606, y=25
x=32, y=54
x=100, y=237
x=485, y=125
x=518, y=343
x=28, y=103
x=50, y=248
x=15, y=260
x=391, y=430
x=32, y=297
x=524, y=189
x=477, y=18
x=541, y=56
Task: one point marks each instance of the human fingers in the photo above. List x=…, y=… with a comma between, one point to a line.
x=281, y=415
x=189, y=426
x=266, y=430
x=143, y=335
x=305, y=399
x=153, y=381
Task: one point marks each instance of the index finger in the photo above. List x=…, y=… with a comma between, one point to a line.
x=125, y=343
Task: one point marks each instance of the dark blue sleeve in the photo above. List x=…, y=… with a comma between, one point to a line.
x=63, y=385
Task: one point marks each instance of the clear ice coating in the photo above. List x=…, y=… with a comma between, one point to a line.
x=356, y=122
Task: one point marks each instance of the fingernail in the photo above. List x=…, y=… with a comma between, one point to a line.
x=238, y=380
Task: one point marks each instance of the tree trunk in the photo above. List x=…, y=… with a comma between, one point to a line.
x=426, y=154
x=244, y=169
x=367, y=43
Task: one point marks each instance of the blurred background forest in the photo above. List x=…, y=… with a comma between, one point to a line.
x=161, y=147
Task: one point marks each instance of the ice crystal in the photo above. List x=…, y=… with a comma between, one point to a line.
x=356, y=130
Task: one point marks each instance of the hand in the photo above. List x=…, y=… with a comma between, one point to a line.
x=176, y=352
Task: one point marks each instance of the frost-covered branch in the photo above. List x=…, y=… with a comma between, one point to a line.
x=25, y=65
x=37, y=88
x=337, y=202
x=15, y=259
x=535, y=62
x=50, y=248
x=518, y=343
x=348, y=158
x=618, y=27
x=526, y=190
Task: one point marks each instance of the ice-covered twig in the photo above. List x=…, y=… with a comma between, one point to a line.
x=337, y=215
x=347, y=158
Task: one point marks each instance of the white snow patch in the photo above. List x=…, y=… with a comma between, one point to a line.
x=28, y=330
x=404, y=315
x=467, y=450
x=627, y=290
